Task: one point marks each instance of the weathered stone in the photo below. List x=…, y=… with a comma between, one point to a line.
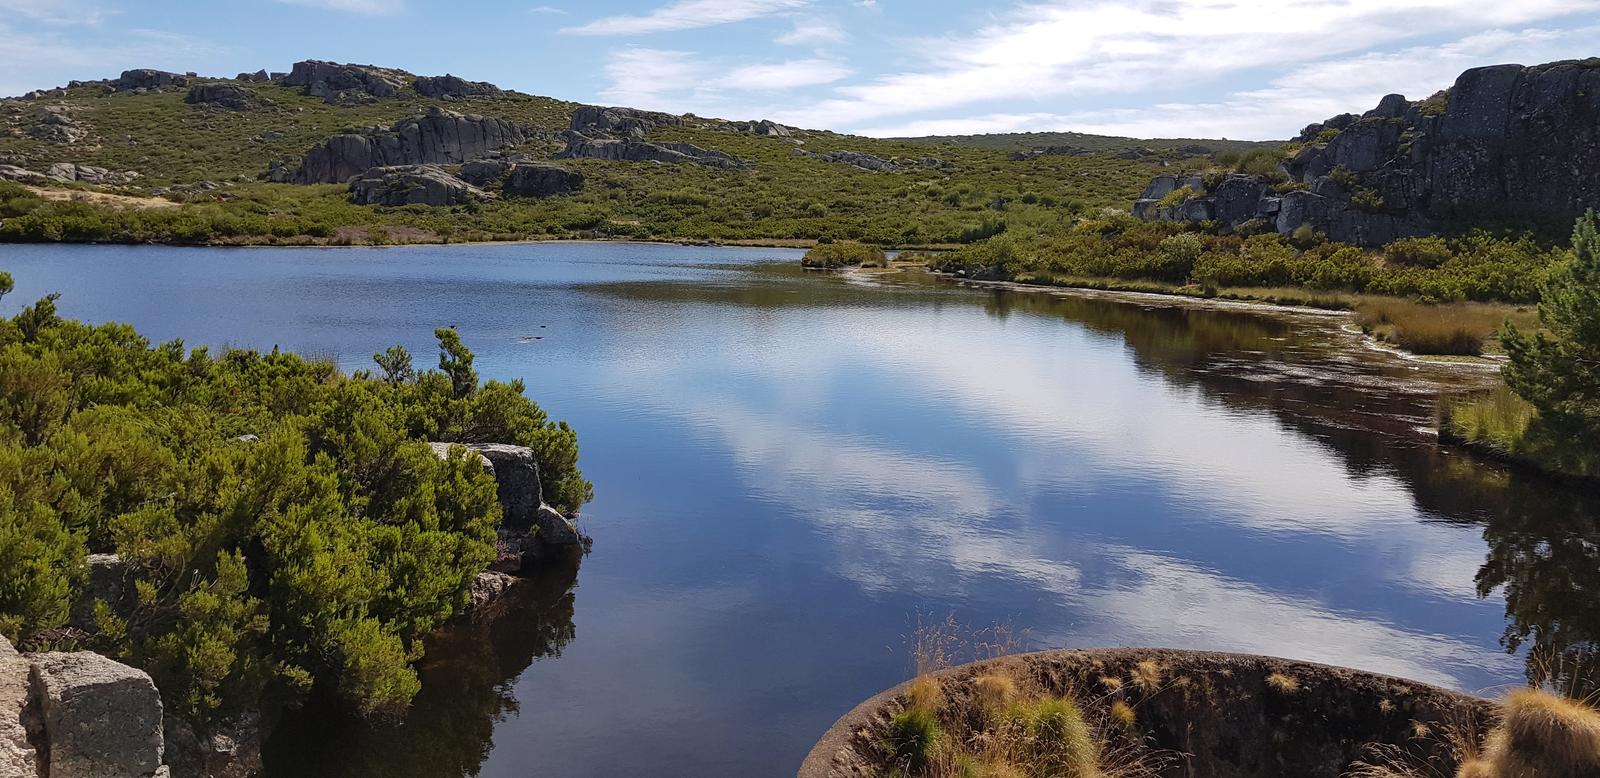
x=580, y=146
x=1238, y=200
x=594, y=119
x=102, y=719
x=19, y=716
x=258, y=76
x=438, y=138
x=339, y=83
x=554, y=528
x=108, y=583
x=854, y=158
x=230, y=749
x=55, y=123
x=488, y=587
x=229, y=96
x=148, y=79
x=529, y=179
x=411, y=185
x=453, y=87
x=1392, y=106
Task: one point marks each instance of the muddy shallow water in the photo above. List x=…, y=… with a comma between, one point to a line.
x=790, y=467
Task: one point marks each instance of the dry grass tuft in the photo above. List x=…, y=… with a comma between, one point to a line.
x=1112, y=683
x=1123, y=716
x=1283, y=683
x=994, y=691
x=1544, y=736
x=1147, y=676
x=1422, y=328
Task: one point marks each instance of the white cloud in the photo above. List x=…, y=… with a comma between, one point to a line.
x=785, y=75
x=811, y=32
x=1070, y=49
x=1304, y=94
x=372, y=7
x=62, y=12
x=547, y=9
x=685, y=15
x=684, y=81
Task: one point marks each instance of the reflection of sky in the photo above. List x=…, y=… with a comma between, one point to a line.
x=783, y=480
x=1206, y=527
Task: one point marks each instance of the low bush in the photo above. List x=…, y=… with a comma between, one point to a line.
x=837, y=255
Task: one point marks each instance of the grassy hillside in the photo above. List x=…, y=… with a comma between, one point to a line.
x=779, y=196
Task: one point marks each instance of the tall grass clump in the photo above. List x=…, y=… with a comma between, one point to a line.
x=1423, y=328
x=1540, y=735
x=837, y=255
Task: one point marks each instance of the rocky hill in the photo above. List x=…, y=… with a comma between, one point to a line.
x=1506, y=145
x=327, y=152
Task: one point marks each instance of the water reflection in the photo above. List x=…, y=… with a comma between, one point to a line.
x=790, y=465
x=467, y=688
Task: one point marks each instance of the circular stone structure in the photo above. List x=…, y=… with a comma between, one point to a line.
x=1214, y=714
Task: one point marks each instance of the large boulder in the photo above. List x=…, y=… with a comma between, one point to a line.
x=438, y=137
x=487, y=587
x=631, y=122
x=148, y=79
x=529, y=528
x=450, y=87
x=20, y=726
x=411, y=185
x=56, y=124
x=102, y=719
x=530, y=179
x=338, y=83
x=231, y=97
x=1238, y=199
x=580, y=146
x=853, y=158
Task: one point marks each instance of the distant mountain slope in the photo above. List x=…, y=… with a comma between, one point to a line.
x=1094, y=144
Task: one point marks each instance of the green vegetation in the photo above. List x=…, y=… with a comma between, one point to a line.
x=282, y=525
x=1055, y=248
x=778, y=197
x=1556, y=423
x=837, y=255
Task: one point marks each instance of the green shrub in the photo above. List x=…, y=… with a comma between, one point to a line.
x=319, y=552
x=837, y=255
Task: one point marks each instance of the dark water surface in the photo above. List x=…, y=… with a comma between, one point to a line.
x=789, y=468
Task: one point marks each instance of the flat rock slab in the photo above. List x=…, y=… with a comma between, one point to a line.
x=103, y=717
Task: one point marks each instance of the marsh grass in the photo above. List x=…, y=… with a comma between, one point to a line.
x=1497, y=421
x=1458, y=329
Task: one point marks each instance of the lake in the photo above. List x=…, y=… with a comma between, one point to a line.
x=793, y=470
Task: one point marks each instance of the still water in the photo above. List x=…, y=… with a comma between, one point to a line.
x=792, y=469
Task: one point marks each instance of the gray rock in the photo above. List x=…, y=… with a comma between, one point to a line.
x=22, y=175
x=102, y=718
x=438, y=138
x=580, y=146
x=529, y=179
x=528, y=526
x=1392, y=106
x=555, y=529
x=1238, y=199
x=109, y=582
x=488, y=587
x=55, y=123
x=227, y=96
x=486, y=173
x=342, y=84
x=853, y=158
x=20, y=726
x=452, y=87
x=1160, y=187
x=148, y=80
x=260, y=76
x=599, y=120
x=411, y=185
x=229, y=749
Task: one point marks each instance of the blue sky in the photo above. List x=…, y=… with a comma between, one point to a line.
x=1193, y=68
